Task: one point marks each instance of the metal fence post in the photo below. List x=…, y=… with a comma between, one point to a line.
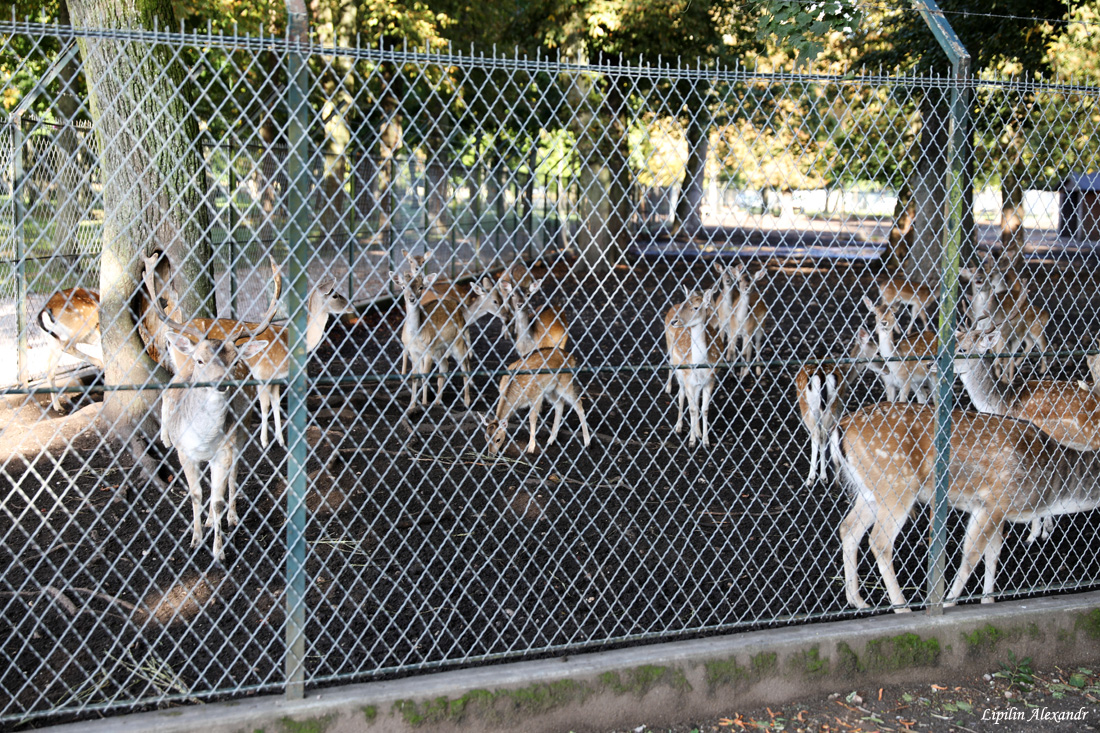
x=949, y=289
x=298, y=229
x=18, y=215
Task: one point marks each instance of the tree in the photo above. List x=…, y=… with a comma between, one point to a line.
x=153, y=181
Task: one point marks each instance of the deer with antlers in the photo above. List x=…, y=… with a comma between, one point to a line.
x=202, y=423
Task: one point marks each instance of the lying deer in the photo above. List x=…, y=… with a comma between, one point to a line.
x=432, y=332
x=518, y=391
x=910, y=359
x=691, y=344
x=202, y=422
x=1002, y=469
x=897, y=290
x=71, y=319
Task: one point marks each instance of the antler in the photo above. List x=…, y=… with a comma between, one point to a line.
x=147, y=276
x=242, y=330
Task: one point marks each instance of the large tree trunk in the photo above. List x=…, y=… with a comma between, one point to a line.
x=336, y=24
x=689, y=219
x=1013, y=172
x=152, y=172
x=929, y=190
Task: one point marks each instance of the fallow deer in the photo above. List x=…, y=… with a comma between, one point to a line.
x=1002, y=469
x=71, y=319
x=896, y=290
x=742, y=316
x=910, y=359
x=692, y=355
x=821, y=390
x=533, y=329
x=201, y=423
x=518, y=391
x=431, y=333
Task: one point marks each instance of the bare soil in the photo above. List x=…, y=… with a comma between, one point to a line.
x=423, y=552
x=1010, y=698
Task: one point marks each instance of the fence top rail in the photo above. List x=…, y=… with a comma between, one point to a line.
x=671, y=69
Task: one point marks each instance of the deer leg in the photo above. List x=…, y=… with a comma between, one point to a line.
x=859, y=519
x=220, y=469
x=693, y=409
x=276, y=398
x=680, y=402
x=464, y=364
x=265, y=408
x=533, y=419
x=980, y=534
x=704, y=409
x=51, y=374
x=814, y=453
x=758, y=338
x=559, y=408
x=888, y=522
x=194, y=487
x=575, y=400
x=441, y=380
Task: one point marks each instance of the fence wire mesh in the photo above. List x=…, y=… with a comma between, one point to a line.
x=613, y=240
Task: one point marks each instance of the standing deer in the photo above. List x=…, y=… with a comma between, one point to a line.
x=478, y=299
x=742, y=317
x=531, y=390
x=1003, y=297
x=1001, y=470
x=71, y=319
x=432, y=332
x=535, y=329
x=821, y=391
x=691, y=344
x=896, y=290
x=202, y=422
x=910, y=359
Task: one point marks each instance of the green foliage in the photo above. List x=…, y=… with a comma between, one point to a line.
x=804, y=26
x=1018, y=672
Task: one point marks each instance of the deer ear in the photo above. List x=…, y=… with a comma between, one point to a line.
x=867, y=302
x=398, y=278
x=181, y=343
x=406, y=254
x=863, y=334
x=326, y=285
x=687, y=293
x=427, y=255
x=760, y=273
x=249, y=349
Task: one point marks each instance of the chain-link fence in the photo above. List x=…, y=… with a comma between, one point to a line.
x=636, y=236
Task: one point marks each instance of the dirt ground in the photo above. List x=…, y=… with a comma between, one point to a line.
x=1010, y=698
x=423, y=552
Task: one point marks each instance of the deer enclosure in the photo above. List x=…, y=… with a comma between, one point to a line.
x=222, y=434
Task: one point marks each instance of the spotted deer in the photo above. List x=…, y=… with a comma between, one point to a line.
x=531, y=390
x=1002, y=296
x=1002, y=469
x=202, y=423
x=432, y=332
x=692, y=356
x=71, y=319
x=744, y=327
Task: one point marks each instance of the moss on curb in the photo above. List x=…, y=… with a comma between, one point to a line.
x=313, y=725
x=1089, y=623
x=808, y=663
x=901, y=652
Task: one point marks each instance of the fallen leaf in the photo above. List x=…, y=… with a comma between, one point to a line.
x=938, y=687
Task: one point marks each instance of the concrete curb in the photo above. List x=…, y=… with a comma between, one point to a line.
x=666, y=683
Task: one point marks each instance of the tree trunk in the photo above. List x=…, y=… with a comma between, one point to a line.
x=152, y=168
x=336, y=24
x=1013, y=172
x=689, y=220
x=929, y=190
x=70, y=175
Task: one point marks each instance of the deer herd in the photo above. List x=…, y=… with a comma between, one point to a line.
x=1027, y=453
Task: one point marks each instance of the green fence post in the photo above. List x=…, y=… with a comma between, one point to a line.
x=18, y=214
x=949, y=289
x=298, y=229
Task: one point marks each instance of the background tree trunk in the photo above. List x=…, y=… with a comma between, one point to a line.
x=929, y=190
x=689, y=219
x=152, y=194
